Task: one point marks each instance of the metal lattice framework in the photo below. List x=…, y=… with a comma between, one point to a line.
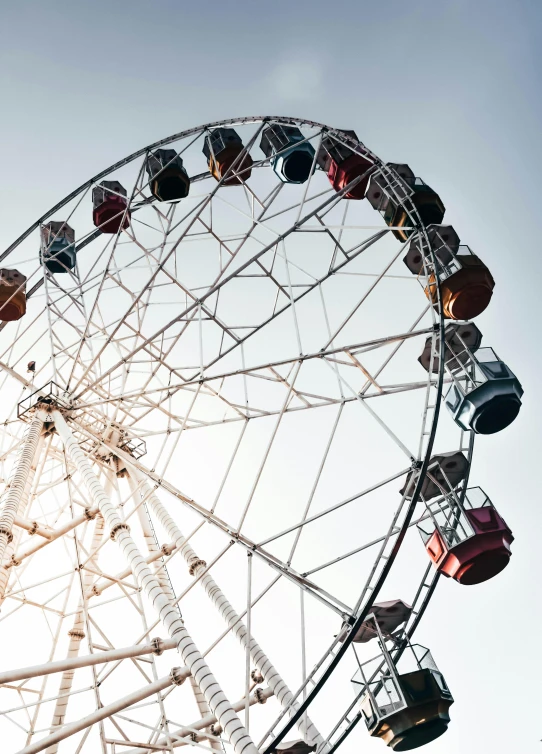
x=231, y=375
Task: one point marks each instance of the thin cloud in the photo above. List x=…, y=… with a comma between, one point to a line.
x=297, y=79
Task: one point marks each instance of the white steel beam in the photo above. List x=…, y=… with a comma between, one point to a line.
x=13, y=500
x=31, y=547
x=260, y=696
x=163, y=578
x=76, y=634
x=156, y=646
x=176, y=676
x=119, y=531
x=105, y=582
x=33, y=527
x=320, y=594
x=196, y=565
x=25, y=505
x=152, y=546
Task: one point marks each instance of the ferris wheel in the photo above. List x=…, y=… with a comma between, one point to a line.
x=241, y=385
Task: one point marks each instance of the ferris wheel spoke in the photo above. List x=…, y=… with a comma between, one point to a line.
x=289, y=393
x=307, y=401
x=357, y=348
x=378, y=419
x=366, y=546
x=217, y=287
x=333, y=508
x=160, y=267
x=272, y=560
x=290, y=301
x=105, y=274
x=283, y=362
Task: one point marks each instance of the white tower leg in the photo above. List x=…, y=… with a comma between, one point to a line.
x=76, y=634
x=152, y=546
x=280, y=690
x=13, y=500
x=13, y=546
x=162, y=577
x=119, y=531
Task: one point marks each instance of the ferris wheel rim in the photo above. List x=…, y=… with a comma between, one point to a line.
x=155, y=145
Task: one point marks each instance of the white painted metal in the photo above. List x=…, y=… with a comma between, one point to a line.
x=163, y=578
x=31, y=547
x=204, y=711
x=71, y=663
x=152, y=546
x=260, y=696
x=119, y=531
x=10, y=553
x=32, y=527
x=13, y=501
x=100, y=586
x=105, y=712
x=196, y=566
x=76, y=634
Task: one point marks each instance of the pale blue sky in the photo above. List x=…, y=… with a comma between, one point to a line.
x=452, y=88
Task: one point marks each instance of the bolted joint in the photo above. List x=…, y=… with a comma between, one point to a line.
x=90, y=514
x=256, y=676
x=33, y=529
x=168, y=549
x=195, y=564
x=157, y=646
x=259, y=696
x=216, y=729
x=14, y=562
x=76, y=633
x=7, y=533
x=176, y=677
x=95, y=591
x=118, y=527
